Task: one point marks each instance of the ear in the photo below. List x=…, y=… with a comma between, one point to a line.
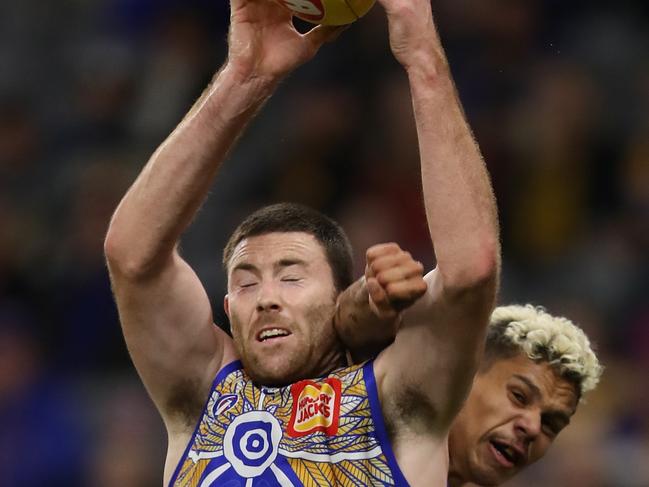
x=226, y=306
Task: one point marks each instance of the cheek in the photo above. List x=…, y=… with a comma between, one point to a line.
x=239, y=316
x=483, y=412
x=314, y=300
x=319, y=320
x=473, y=422
x=300, y=296
x=539, y=448
x=235, y=327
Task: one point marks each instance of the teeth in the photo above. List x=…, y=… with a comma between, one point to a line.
x=506, y=451
x=273, y=332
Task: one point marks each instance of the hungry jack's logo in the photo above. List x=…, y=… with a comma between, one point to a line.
x=316, y=407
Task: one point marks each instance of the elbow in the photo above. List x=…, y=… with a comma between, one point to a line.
x=112, y=247
x=116, y=252
x=486, y=267
x=480, y=273
x=124, y=259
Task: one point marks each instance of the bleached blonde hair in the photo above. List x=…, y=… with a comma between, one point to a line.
x=542, y=337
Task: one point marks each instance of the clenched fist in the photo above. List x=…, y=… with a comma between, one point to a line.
x=393, y=278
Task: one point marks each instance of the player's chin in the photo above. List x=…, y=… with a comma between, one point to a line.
x=487, y=475
x=277, y=369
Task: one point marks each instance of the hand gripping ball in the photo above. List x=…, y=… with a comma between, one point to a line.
x=328, y=12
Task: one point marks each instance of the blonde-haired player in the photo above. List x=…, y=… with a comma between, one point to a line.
x=533, y=373
x=535, y=369
x=541, y=336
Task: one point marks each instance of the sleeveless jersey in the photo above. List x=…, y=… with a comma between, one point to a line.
x=322, y=432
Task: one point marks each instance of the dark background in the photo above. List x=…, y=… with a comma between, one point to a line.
x=557, y=93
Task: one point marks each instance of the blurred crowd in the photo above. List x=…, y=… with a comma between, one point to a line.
x=557, y=94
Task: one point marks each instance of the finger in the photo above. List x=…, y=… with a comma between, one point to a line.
x=387, y=262
x=324, y=33
x=410, y=289
x=402, y=272
x=379, y=250
x=271, y=10
x=405, y=293
x=378, y=295
x=368, y=272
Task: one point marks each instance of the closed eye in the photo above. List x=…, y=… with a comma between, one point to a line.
x=248, y=284
x=290, y=279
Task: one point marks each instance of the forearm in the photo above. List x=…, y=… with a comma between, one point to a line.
x=362, y=332
x=448, y=328
x=442, y=335
x=165, y=197
x=460, y=206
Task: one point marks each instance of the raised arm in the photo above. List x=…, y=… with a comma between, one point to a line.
x=164, y=310
x=445, y=329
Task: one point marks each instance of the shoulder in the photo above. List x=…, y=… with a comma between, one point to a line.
x=189, y=398
x=409, y=403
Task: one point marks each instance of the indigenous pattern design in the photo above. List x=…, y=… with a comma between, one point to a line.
x=320, y=432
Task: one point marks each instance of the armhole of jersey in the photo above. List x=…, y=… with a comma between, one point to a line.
x=222, y=374
x=379, y=424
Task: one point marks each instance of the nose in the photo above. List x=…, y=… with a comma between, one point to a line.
x=528, y=425
x=268, y=298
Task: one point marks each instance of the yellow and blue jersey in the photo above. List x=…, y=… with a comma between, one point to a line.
x=321, y=432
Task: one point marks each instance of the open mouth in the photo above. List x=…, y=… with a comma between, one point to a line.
x=269, y=334
x=505, y=454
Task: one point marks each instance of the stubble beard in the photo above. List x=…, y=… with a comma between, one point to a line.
x=482, y=473
x=301, y=360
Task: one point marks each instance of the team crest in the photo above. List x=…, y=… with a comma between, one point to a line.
x=316, y=407
x=225, y=403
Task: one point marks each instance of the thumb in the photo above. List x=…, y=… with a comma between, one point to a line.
x=379, y=301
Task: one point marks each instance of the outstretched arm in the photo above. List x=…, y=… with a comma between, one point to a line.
x=164, y=310
x=445, y=329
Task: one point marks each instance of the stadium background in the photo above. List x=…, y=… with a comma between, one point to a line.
x=557, y=93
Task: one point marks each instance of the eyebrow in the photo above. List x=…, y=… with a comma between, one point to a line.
x=281, y=264
x=289, y=262
x=244, y=266
x=533, y=387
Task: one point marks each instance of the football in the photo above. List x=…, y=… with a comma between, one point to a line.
x=328, y=12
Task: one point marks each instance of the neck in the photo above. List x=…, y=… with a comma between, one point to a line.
x=455, y=478
x=332, y=361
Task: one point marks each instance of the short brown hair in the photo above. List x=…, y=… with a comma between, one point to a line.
x=293, y=217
